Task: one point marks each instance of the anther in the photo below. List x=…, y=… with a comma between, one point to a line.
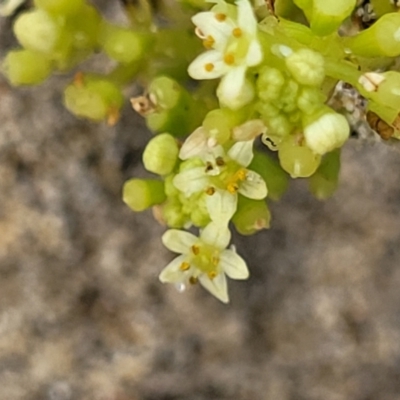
x=219, y=161
x=211, y=274
x=193, y=280
x=209, y=67
x=241, y=174
x=210, y=191
x=232, y=188
x=208, y=42
x=237, y=32
x=195, y=250
x=184, y=266
x=229, y=59
x=220, y=17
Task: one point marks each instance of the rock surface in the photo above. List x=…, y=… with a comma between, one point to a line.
x=83, y=315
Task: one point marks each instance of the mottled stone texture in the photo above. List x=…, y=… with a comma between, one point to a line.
x=83, y=316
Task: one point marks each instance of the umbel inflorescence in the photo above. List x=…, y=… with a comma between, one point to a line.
x=219, y=79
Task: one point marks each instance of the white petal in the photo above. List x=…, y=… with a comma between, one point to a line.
x=233, y=265
x=178, y=241
x=194, y=144
x=235, y=91
x=197, y=69
x=254, y=54
x=220, y=31
x=221, y=206
x=217, y=287
x=191, y=180
x=216, y=234
x=246, y=18
x=172, y=272
x=242, y=152
x=253, y=187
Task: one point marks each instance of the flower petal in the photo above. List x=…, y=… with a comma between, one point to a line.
x=191, y=181
x=246, y=18
x=216, y=235
x=221, y=206
x=253, y=187
x=218, y=286
x=194, y=144
x=254, y=54
x=210, y=26
x=242, y=152
x=208, y=65
x=233, y=265
x=178, y=241
x=234, y=91
x=172, y=272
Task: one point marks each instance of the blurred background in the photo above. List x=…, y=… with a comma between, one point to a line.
x=84, y=317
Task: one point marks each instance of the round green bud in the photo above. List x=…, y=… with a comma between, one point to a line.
x=161, y=154
x=37, y=31
x=297, y=159
x=325, y=131
x=26, y=67
x=306, y=67
x=140, y=194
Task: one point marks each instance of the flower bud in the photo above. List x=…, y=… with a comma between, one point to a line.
x=325, y=131
x=161, y=154
x=140, y=194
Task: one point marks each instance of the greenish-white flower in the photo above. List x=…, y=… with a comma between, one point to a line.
x=203, y=259
x=220, y=170
x=230, y=34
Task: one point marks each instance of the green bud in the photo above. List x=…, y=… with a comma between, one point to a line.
x=325, y=130
x=251, y=216
x=296, y=158
x=165, y=92
x=37, y=31
x=26, y=67
x=140, y=194
x=307, y=67
x=161, y=154
x=269, y=84
x=310, y=100
x=173, y=215
x=380, y=39
x=94, y=97
x=122, y=44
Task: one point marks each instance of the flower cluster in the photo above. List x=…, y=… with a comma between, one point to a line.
x=258, y=77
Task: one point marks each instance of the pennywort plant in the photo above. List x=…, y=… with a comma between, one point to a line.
x=225, y=85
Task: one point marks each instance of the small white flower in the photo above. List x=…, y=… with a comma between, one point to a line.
x=221, y=171
x=203, y=259
x=231, y=37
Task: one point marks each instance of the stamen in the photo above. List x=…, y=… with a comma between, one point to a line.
x=220, y=161
x=232, y=188
x=193, y=280
x=237, y=32
x=220, y=17
x=212, y=274
x=208, y=42
x=209, y=167
x=195, y=250
x=229, y=59
x=241, y=174
x=184, y=266
x=215, y=261
x=79, y=79
x=210, y=191
x=209, y=67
